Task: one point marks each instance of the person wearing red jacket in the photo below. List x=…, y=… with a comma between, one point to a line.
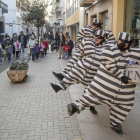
x=45, y=43
x=66, y=50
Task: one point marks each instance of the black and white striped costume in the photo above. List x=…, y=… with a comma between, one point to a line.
x=79, y=54
x=87, y=30
x=85, y=69
x=86, y=33
x=107, y=88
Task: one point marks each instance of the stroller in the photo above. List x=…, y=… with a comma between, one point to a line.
x=54, y=45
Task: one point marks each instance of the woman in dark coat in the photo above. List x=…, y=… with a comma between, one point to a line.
x=13, y=40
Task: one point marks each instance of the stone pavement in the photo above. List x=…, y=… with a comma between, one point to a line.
x=31, y=110
x=96, y=127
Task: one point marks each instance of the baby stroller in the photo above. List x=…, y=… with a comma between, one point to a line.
x=54, y=45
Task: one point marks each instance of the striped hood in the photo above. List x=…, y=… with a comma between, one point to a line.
x=124, y=36
x=109, y=36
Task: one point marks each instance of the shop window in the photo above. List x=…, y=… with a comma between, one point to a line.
x=132, y=20
x=105, y=20
x=91, y=19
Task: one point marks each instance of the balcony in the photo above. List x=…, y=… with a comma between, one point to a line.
x=86, y=3
x=4, y=7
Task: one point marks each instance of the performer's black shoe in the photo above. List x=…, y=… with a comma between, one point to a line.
x=71, y=109
x=56, y=87
x=93, y=110
x=58, y=76
x=120, y=132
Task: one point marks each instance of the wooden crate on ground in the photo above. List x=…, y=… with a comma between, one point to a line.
x=17, y=75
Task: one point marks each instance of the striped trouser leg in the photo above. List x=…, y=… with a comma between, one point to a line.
x=75, y=76
x=70, y=65
x=118, y=113
x=86, y=100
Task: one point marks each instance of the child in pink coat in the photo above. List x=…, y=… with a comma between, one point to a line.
x=42, y=47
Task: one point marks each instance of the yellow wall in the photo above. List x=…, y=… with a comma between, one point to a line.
x=74, y=33
x=73, y=19
x=118, y=17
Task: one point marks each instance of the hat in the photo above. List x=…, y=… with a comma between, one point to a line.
x=97, y=21
x=100, y=33
x=21, y=32
x=124, y=36
x=109, y=35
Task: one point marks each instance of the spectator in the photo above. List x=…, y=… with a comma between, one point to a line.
x=45, y=43
x=66, y=50
x=46, y=35
x=8, y=48
x=17, y=46
x=61, y=43
x=3, y=45
x=23, y=40
x=66, y=35
x=32, y=42
x=70, y=43
x=42, y=47
x=36, y=50
x=14, y=39
x=6, y=40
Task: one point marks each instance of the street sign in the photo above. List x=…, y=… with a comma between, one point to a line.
x=10, y=24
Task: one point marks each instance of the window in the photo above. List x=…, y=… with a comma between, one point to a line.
x=132, y=20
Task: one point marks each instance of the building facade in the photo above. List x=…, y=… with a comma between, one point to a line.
x=74, y=18
x=13, y=17
x=3, y=9
x=117, y=16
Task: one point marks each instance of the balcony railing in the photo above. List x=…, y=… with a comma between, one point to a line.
x=4, y=7
x=86, y=3
x=72, y=9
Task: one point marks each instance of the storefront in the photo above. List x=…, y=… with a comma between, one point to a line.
x=132, y=20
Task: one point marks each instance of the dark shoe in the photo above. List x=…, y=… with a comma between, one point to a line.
x=59, y=58
x=71, y=109
x=58, y=76
x=120, y=132
x=93, y=110
x=56, y=87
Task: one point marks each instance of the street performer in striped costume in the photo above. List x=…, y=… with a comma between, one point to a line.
x=85, y=69
x=110, y=85
x=88, y=33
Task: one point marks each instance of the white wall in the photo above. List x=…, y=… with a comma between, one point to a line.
x=11, y=17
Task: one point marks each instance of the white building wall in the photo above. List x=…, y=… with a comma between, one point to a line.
x=11, y=17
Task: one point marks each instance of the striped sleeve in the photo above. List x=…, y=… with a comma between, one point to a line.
x=135, y=54
x=108, y=61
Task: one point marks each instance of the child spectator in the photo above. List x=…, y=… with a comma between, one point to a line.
x=32, y=42
x=42, y=47
x=45, y=43
x=8, y=49
x=36, y=50
x=66, y=50
x=17, y=47
x=1, y=55
x=7, y=37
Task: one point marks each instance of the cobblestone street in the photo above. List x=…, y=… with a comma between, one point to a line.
x=32, y=110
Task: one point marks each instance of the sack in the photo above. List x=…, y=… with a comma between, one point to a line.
x=133, y=72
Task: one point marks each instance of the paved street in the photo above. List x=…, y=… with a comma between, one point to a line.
x=32, y=110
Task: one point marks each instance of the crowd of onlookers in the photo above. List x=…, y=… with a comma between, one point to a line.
x=65, y=45
x=17, y=44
